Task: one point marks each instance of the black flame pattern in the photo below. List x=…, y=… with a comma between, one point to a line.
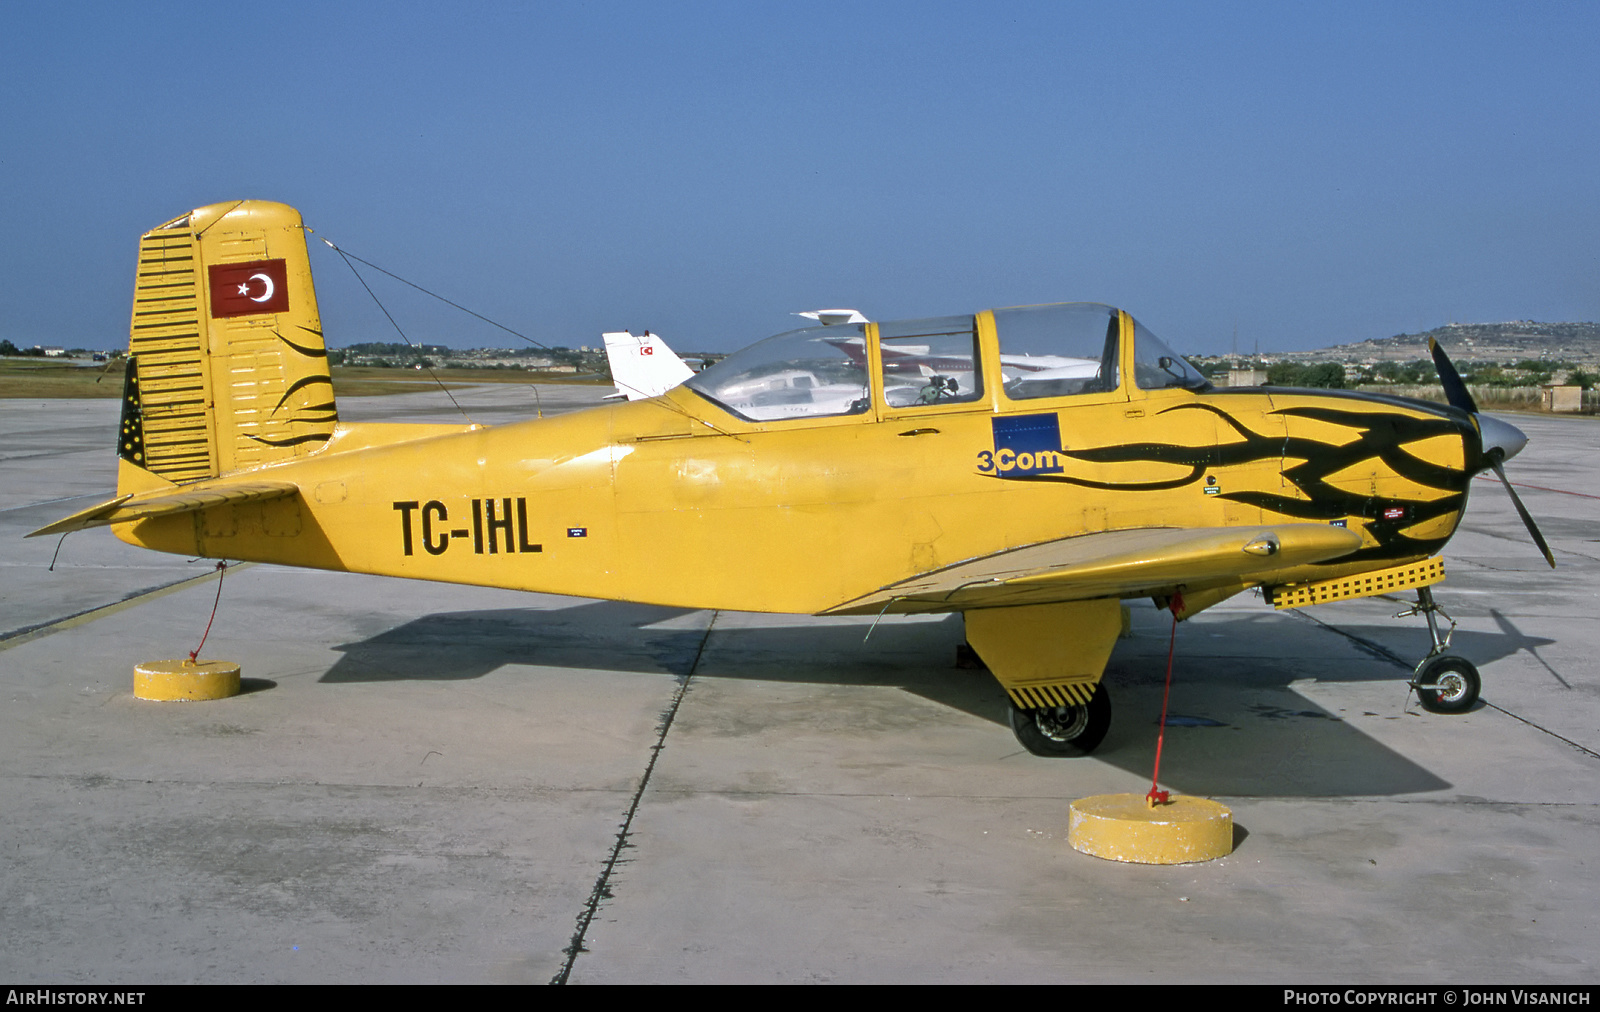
x=1383, y=436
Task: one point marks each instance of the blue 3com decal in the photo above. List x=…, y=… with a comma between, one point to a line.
x=1024, y=445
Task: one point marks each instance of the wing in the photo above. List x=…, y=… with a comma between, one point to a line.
x=184, y=499
x=1133, y=563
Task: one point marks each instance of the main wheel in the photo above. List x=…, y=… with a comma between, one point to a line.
x=1063, y=730
x=1447, y=684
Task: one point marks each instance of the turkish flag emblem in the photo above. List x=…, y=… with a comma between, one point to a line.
x=260, y=286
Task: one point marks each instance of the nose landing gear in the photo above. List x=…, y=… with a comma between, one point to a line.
x=1445, y=682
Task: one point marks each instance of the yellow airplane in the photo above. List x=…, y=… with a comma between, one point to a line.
x=1030, y=468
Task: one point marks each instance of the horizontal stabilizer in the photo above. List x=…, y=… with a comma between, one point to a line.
x=1112, y=564
x=164, y=502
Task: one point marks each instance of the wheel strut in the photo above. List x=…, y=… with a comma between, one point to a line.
x=1445, y=683
x=1429, y=609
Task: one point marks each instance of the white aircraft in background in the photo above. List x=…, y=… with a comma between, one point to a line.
x=642, y=366
x=831, y=317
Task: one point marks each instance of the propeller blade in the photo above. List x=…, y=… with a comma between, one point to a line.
x=1522, y=511
x=1455, y=391
x=1499, y=440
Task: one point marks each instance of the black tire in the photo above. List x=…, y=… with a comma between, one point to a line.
x=1447, y=684
x=1058, y=731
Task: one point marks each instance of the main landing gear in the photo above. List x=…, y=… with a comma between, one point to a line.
x=1445, y=682
x=1063, y=730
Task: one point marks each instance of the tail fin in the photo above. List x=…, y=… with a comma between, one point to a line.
x=228, y=368
x=643, y=366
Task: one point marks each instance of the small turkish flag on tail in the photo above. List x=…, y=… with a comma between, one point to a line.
x=260, y=286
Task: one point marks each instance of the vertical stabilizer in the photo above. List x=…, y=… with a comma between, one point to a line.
x=643, y=366
x=230, y=370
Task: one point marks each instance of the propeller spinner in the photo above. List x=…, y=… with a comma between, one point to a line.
x=1501, y=440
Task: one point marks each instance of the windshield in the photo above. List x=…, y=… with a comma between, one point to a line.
x=1157, y=367
x=811, y=373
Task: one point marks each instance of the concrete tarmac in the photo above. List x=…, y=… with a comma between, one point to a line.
x=430, y=783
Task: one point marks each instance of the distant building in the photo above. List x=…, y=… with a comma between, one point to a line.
x=1246, y=377
x=1562, y=398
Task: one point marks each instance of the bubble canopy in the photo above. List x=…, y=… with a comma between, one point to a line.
x=1048, y=351
x=807, y=373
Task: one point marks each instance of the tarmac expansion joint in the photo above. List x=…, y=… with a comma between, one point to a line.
x=602, y=885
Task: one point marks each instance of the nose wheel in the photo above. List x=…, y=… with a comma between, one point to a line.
x=1445, y=682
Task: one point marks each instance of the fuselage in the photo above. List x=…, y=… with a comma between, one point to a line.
x=678, y=500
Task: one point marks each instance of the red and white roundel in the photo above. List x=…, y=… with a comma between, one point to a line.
x=260, y=286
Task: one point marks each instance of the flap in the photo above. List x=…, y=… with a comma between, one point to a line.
x=1129, y=563
x=160, y=503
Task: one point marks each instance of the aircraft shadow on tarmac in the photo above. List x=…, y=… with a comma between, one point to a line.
x=1237, y=727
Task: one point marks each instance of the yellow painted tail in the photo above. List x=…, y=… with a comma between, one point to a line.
x=229, y=370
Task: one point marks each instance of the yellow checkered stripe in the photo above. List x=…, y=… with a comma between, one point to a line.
x=1035, y=697
x=1379, y=581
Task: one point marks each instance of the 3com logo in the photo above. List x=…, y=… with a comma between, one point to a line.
x=1024, y=446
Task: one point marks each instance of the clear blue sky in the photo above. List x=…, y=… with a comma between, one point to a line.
x=1309, y=173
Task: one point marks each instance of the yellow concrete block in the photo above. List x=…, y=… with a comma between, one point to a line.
x=1125, y=827
x=185, y=680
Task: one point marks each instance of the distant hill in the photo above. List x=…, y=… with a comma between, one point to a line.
x=1474, y=342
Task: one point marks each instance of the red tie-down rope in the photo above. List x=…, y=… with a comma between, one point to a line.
x=222, y=570
x=1157, y=797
